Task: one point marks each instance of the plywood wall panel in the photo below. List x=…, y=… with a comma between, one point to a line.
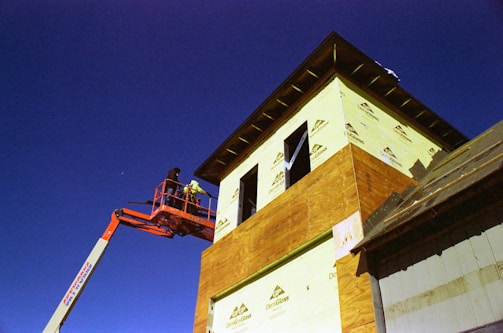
x=376, y=181
x=368, y=328
x=350, y=181
x=307, y=209
x=357, y=312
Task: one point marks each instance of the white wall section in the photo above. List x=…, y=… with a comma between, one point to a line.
x=299, y=296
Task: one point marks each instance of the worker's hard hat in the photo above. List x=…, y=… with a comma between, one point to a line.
x=194, y=183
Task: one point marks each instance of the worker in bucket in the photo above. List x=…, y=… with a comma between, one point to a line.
x=171, y=186
x=190, y=191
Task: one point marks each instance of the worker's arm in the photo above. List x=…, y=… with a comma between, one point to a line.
x=199, y=189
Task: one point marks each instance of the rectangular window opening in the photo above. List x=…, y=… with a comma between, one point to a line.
x=248, y=195
x=297, y=161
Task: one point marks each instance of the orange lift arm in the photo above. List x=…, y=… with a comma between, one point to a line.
x=181, y=217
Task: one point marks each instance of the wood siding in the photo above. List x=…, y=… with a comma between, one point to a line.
x=376, y=181
x=349, y=181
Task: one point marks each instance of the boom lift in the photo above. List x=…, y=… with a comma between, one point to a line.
x=170, y=215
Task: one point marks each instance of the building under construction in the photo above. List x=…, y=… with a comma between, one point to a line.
x=347, y=205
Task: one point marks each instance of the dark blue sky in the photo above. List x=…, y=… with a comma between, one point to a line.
x=99, y=99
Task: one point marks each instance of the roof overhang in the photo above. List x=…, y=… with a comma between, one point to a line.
x=333, y=56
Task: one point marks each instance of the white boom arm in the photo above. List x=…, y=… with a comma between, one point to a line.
x=65, y=306
x=78, y=284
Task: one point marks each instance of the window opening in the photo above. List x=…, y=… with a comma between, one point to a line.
x=248, y=195
x=297, y=161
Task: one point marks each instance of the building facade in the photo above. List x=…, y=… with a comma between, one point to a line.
x=299, y=180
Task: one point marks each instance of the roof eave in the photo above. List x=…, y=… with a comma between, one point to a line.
x=333, y=55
